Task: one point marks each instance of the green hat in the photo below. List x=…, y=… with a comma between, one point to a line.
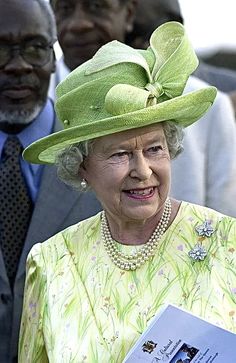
x=122, y=88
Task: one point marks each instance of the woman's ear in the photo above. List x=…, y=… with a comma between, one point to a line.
x=82, y=171
x=83, y=176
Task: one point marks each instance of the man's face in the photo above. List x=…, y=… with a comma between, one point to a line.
x=85, y=25
x=23, y=86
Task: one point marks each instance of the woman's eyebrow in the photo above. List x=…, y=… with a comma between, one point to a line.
x=125, y=145
x=158, y=138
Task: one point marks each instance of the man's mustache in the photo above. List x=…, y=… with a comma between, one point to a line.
x=19, y=82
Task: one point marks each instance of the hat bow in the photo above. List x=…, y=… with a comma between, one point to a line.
x=167, y=70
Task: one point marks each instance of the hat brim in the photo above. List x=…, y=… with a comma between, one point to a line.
x=184, y=110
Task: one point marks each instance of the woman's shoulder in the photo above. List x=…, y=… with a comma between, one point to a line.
x=194, y=212
x=187, y=207
x=196, y=225
x=77, y=233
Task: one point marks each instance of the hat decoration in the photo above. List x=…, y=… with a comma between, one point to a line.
x=122, y=88
x=166, y=80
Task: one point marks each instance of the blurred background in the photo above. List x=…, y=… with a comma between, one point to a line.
x=211, y=25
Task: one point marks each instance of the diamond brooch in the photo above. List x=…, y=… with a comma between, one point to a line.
x=199, y=253
x=205, y=229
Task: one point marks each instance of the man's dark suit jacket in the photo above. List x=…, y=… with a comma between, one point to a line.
x=56, y=207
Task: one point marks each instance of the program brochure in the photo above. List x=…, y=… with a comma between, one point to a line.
x=177, y=336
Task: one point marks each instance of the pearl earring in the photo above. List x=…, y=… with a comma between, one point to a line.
x=83, y=184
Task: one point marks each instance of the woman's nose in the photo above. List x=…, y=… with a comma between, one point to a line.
x=140, y=167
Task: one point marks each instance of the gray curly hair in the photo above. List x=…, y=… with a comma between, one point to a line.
x=69, y=160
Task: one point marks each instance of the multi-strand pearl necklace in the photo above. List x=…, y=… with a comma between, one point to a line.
x=137, y=259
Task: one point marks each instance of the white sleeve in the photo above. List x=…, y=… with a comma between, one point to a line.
x=205, y=173
x=221, y=158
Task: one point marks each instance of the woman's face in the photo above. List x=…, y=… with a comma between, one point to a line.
x=130, y=172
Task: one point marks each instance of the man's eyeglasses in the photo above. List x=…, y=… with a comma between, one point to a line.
x=38, y=55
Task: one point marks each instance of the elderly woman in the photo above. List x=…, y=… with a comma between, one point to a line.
x=92, y=289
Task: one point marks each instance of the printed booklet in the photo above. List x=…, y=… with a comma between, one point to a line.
x=177, y=336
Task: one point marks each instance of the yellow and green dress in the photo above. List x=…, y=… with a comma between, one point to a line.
x=79, y=307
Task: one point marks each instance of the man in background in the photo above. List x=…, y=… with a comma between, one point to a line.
x=34, y=203
x=83, y=26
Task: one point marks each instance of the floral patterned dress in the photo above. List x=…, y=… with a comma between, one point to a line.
x=79, y=307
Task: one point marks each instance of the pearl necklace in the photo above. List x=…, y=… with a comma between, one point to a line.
x=136, y=259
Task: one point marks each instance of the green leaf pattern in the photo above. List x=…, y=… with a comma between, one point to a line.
x=79, y=307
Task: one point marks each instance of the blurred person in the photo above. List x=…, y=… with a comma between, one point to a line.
x=233, y=99
x=209, y=179
x=211, y=162
x=92, y=289
x=34, y=203
x=84, y=26
x=156, y=12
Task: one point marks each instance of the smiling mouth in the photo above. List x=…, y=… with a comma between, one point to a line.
x=140, y=193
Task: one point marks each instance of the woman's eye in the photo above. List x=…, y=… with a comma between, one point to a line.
x=155, y=149
x=120, y=155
